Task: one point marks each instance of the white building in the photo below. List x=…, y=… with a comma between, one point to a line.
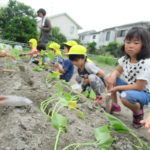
x=115, y=34
x=67, y=25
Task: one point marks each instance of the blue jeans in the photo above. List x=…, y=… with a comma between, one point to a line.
x=134, y=96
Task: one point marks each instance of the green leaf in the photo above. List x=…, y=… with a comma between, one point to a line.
x=92, y=94
x=67, y=96
x=63, y=102
x=117, y=124
x=54, y=75
x=102, y=135
x=80, y=114
x=59, y=122
x=15, y=52
x=72, y=104
x=50, y=55
x=37, y=69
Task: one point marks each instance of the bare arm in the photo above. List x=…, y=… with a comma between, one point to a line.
x=100, y=73
x=110, y=79
x=139, y=86
x=60, y=68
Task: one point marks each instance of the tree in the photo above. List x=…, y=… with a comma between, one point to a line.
x=91, y=47
x=18, y=22
x=114, y=49
x=57, y=36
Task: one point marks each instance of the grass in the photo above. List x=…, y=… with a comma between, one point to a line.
x=104, y=60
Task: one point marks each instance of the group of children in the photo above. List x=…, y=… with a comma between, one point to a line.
x=131, y=77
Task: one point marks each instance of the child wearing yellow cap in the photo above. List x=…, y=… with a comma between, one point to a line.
x=67, y=68
x=33, y=46
x=68, y=45
x=89, y=74
x=55, y=48
x=34, y=53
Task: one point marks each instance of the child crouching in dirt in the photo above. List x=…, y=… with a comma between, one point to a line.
x=34, y=53
x=135, y=68
x=55, y=48
x=89, y=73
x=67, y=68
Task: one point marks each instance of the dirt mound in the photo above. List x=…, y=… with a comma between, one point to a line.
x=26, y=128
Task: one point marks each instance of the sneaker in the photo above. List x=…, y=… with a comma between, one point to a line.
x=98, y=100
x=137, y=118
x=115, y=108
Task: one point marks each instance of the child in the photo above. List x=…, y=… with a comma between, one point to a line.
x=68, y=45
x=33, y=46
x=67, y=68
x=135, y=68
x=89, y=73
x=146, y=123
x=55, y=48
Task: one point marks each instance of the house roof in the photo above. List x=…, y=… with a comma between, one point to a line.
x=126, y=25
x=65, y=14
x=88, y=32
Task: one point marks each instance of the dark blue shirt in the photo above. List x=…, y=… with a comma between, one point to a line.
x=69, y=68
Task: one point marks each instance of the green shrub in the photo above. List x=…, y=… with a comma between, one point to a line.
x=109, y=60
x=18, y=22
x=91, y=47
x=114, y=49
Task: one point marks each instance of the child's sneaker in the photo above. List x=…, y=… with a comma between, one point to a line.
x=115, y=108
x=137, y=118
x=99, y=100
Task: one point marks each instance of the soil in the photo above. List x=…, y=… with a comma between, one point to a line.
x=26, y=128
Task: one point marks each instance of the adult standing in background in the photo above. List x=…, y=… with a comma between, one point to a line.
x=45, y=27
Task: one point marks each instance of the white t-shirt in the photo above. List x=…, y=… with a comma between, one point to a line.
x=137, y=71
x=91, y=68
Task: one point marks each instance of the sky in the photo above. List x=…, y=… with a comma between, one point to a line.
x=96, y=14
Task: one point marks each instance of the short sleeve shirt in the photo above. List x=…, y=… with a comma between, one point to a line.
x=136, y=71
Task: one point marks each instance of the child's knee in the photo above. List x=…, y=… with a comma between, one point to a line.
x=92, y=78
x=127, y=96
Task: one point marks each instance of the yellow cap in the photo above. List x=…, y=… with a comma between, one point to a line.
x=33, y=42
x=71, y=43
x=56, y=47
x=77, y=50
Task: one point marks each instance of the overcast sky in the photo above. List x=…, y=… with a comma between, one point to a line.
x=96, y=14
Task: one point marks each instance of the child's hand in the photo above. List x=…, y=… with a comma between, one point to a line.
x=110, y=81
x=57, y=65
x=22, y=55
x=85, y=81
x=114, y=89
x=146, y=123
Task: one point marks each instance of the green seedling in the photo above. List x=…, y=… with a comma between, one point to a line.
x=103, y=137
x=38, y=69
x=59, y=122
x=118, y=126
x=51, y=78
x=15, y=53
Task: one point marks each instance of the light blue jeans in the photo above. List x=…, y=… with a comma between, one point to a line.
x=134, y=96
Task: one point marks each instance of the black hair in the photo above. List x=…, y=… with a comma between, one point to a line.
x=143, y=35
x=41, y=10
x=41, y=46
x=76, y=57
x=68, y=47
